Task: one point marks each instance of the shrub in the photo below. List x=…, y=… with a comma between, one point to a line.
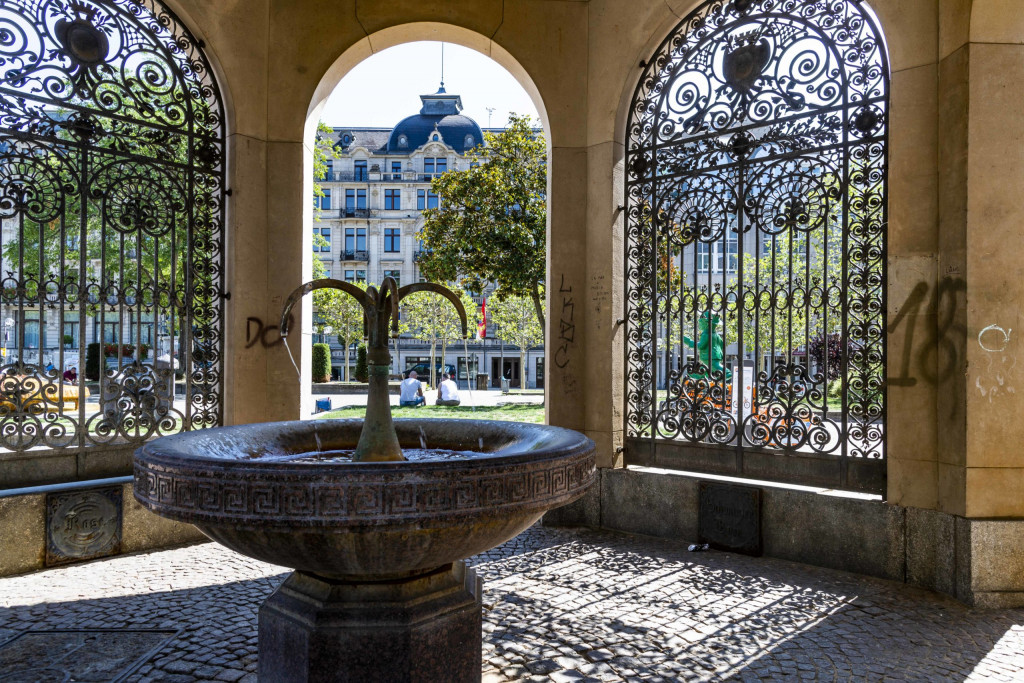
x=68, y=341
x=143, y=351
x=827, y=353
x=110, y=350
x=321, y=362
x=362, y=373
x=92, y=361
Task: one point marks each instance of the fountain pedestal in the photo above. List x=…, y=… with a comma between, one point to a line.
x=426, y=628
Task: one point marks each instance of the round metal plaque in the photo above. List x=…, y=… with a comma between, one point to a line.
x=83, y=524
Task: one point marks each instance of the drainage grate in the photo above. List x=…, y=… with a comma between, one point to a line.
x=78, y=655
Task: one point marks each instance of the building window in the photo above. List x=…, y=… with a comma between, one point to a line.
x=392, y=199
x=31, y=329
x=355, y=239
x=110, y=332
x=325, y=201
x=144, y=335
x=71, y=325
x=461, y=367
x=361, y=173
x=434, y=166
x=397, y=274
x=350, y=199
x=396, y=170
x=326, y=234
x=350, y=275
x=360, y=199
x=426, y=199
x=392, y=239
x=469, y=142
x=403, y=141
x=360, y=276
x=712, y=257
x=329, y=174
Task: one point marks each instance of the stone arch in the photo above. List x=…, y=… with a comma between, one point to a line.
x=411, y=32
x=361, y=50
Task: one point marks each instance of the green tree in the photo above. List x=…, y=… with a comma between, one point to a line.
x=491, y=226
x=517, y=321
x=343, y=313
x=432, y=318
x=323, y=149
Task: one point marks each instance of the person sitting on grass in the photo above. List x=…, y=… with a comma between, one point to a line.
x=447, y=392
x=412, y=392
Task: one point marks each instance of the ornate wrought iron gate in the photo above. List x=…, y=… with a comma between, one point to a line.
x=111, y=202
x=755, y=245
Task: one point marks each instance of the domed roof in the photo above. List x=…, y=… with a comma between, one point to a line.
x=440, y=113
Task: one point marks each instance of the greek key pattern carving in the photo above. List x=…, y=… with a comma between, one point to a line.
x=275, y=497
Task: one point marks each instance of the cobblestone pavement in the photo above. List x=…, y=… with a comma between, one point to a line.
x=565, y=605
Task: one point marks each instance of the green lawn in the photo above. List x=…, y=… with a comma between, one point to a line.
x=512, y=412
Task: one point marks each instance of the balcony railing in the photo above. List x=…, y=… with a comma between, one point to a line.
x=377, y=177
x=355, y=256
x=346, y=213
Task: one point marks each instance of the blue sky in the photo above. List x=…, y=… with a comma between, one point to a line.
x=385, y=88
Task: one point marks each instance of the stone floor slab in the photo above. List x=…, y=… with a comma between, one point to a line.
x=568, y=604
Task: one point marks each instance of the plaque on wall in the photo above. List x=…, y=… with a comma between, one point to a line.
x=729, y=517
x=83, y=524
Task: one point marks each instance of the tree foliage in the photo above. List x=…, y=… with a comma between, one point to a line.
x=491, y=225
x=342, y=313
x=323, y=149
x=518, y=324
x=432, y=318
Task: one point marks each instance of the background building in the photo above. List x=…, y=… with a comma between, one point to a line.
x=375, y=190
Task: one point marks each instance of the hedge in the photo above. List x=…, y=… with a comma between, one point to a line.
x=362, y=373
x=321, y=362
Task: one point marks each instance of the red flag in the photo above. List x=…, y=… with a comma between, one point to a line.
x=481, y=327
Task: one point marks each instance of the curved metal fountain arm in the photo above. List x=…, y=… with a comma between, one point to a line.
x=365, y=300
x=389, y=288
x=443, y=291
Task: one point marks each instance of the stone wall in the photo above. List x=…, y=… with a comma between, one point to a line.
x=24, y=518
x=976, y=561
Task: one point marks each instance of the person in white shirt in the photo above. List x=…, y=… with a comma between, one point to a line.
x=412, y=391
x=447, y=392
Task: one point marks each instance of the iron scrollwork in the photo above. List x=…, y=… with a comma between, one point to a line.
x=756, y=194
x=112, y=213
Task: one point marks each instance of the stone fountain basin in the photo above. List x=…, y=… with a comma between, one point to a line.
x=363, y=520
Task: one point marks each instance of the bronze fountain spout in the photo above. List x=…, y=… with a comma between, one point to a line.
x=378, y=441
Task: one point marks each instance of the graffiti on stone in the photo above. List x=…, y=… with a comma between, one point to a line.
x=995, y=379
x=566, y=325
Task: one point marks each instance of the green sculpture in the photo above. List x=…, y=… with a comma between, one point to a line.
x=710, y=347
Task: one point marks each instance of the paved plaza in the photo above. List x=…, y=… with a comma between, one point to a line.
x=559, y=605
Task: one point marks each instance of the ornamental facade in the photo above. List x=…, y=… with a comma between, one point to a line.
x=375, y=190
